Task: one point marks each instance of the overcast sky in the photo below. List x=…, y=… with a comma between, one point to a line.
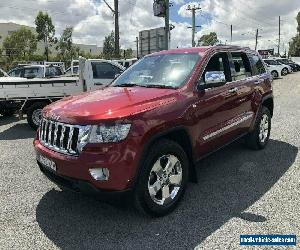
x=92, y=19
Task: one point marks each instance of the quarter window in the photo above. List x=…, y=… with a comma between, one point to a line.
x=257, y=65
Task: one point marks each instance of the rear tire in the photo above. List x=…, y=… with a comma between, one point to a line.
x=162, y=180
x=259, y=137
x=34, y=114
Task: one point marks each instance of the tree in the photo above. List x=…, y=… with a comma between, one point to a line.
x=45, y=31
x=209, y=39
x=109, y=46
x=65, y=45
x=295, y=42
x=20, y=44
x=128, y=53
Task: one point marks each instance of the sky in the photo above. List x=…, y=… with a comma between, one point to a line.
x=93, y=20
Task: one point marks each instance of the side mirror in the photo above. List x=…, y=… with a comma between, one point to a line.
x=212, y=79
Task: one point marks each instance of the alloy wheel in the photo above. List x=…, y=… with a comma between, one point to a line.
x=165, y=179
x=263, y=128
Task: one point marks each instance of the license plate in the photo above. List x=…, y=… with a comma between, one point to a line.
x=47, y=162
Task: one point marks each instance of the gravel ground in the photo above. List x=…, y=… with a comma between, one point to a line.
x=239, y=192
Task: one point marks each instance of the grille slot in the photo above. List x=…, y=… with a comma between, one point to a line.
x=60, y=137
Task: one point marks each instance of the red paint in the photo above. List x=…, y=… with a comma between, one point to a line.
x=153, y=111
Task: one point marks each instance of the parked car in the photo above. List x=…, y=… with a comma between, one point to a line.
x=73, y=70
x=3, y=73
x=30, y=96
x=126, y=62
x=276, y=68
x=295, y=67
x=145, y=132
x=36, y=71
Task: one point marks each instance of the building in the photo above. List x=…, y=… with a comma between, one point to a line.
x=7, y=28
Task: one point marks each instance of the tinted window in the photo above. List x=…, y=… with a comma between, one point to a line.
x=15, y=73
x=126, y=65
x=33, y=72
x=53, y=71
x=271, y=62
x=257, y=65
x=218, y=62
x=102, y=70
x=241, y=64
x=75, y=70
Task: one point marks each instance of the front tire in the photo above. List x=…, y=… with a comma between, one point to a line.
x=34, y=114
x=274, y=74
x=284, y=71
x=259, y=137
x=162, y=180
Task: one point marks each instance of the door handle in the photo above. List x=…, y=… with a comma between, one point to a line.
x=233, y=90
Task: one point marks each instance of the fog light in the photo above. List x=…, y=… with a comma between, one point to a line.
x=99, y=174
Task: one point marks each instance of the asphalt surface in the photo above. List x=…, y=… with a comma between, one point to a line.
x=239, y=192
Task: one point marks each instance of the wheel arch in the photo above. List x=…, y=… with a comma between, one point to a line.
x=269, y=103
x=179, y=135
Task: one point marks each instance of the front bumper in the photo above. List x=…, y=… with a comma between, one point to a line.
x=82, y=186
x=121, y=159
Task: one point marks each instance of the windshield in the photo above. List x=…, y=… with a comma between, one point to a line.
x=169, y=71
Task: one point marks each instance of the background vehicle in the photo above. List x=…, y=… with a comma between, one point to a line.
x=275, y=68
x=73, y=70
x=36, y=71
x=145, y=132
x=3, y=73
x=30, y=96
x=295, y=66
x=126, y=62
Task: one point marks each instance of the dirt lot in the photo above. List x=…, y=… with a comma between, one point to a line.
x=239, y=192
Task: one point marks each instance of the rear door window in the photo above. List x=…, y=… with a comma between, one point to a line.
x=32, y=72
x=241, y=66
x=258, y=67
x=103, y=70
x=15, y=73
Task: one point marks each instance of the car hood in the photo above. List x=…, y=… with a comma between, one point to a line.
x=111, y=103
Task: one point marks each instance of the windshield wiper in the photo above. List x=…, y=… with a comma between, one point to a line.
x=126, y=85
x=158, y=86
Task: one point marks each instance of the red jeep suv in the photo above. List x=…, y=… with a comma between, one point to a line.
x=145, y=132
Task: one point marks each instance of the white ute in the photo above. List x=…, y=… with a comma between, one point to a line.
x=30, y=96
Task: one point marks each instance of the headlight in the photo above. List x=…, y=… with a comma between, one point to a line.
x=108, y=133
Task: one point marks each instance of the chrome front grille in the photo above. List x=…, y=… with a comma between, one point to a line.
x=60, y=137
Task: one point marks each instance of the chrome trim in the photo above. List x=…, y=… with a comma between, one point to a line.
x=241, y=120
x=58, y=146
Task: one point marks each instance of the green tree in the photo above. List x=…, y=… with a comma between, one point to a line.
x=295, y=42
x=128, y=53
x=209, y=39
x=20, y=44
x=45, y=31
x=108, y=46
x=65, y=45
